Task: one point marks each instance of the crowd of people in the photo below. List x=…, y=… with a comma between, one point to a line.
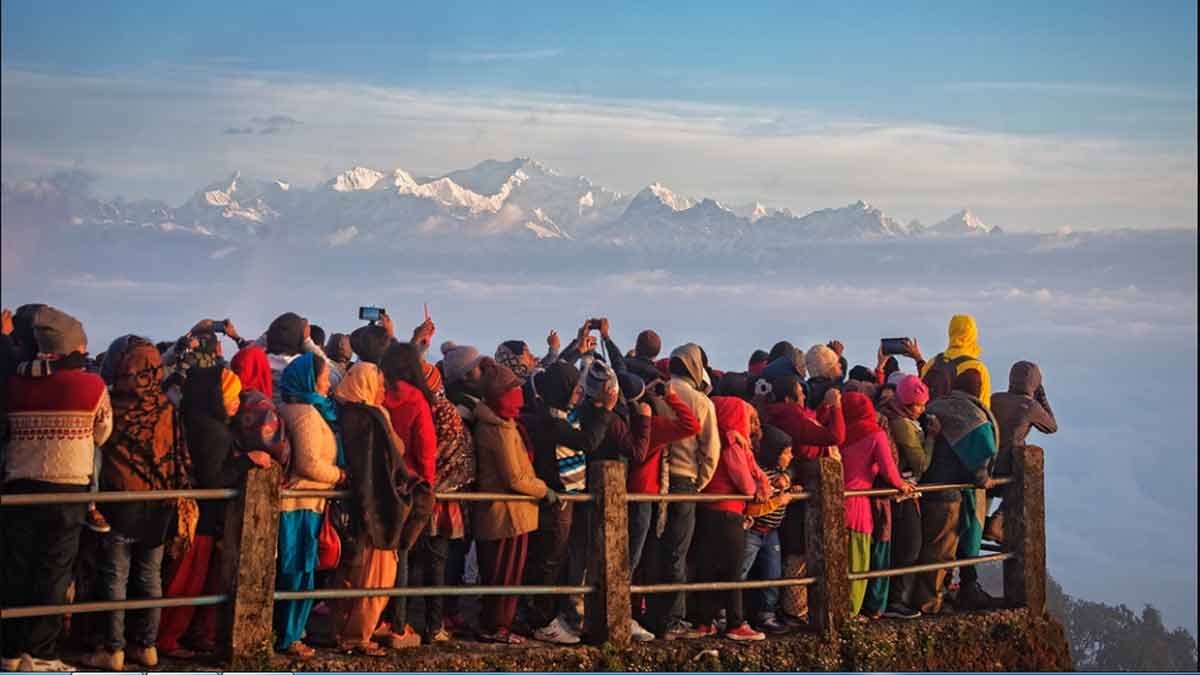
x=395, y=424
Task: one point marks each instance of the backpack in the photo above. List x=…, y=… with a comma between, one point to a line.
x=940, y=362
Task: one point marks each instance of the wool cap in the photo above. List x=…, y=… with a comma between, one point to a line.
x=57, y=332
x=285, y=335
x=862, y=373
x=821, y=361
x=598, y=378
x=495, y=380
x=458, y=360
x=649, y=344
x=912, y=391
x=632, y=386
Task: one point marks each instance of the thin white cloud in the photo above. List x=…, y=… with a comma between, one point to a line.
x=496, y=56
x=1081, y=88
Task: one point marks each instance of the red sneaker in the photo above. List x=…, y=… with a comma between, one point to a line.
x=744, y=633
x=706, y=630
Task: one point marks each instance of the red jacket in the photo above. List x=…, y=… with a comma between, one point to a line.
x=737, y=473
x=412, y=420
x=810, y=431
x=644, y=476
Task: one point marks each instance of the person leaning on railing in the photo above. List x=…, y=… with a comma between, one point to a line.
x=56, y=413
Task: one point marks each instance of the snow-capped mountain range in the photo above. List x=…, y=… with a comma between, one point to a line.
x=520, y=198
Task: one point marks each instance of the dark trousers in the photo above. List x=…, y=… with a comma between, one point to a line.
x=428, y=561
x=939, y=534
x=39, y=545
x=721, y=549
x=456, y=566
x=500, y=564
x=668, y=608
x=548, y=549
x=906, y=548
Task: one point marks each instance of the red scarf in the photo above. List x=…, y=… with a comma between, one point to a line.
x=860, y=417
x=508, y=405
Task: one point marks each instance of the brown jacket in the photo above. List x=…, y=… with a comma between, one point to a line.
x=1023, y=407
x=503, y=466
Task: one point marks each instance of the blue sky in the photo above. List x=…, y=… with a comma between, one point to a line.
x=1078, y=73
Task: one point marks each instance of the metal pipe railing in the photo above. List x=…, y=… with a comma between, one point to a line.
x=417, y=591
x=932, y=487
x=111, y=497
x=930, y=567
x=7, y=613
x=703, y=498
x=440, y=496
x=722, y=585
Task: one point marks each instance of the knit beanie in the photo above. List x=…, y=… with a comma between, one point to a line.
x=632, y=386
x=649, y=344
x=556, y=383
x=894, y=378
x=912, y=391
x=495, y=380
x=509, y=354
x=285, y=335
x=598, y=378
x=862, y=374
x=57, y=332
x=433, y=377
x=774, y=442
x=821, y=361
x=457, y=361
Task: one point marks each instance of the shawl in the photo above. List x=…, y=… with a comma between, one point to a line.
x=860, y=417
x=964, y=419
x=298, y=384
x=364, y=384
x=252, y=368
x=44, y=366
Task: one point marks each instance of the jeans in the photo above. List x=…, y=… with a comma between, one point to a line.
x=668, y=609
x=640, y=522
x=456, y=564
x=763, y=554
x=38, y=545
x=130, y=568
x=720, y=559
x=548, y=552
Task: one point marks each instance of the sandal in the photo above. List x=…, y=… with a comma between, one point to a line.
x=362, y=649
x=503, y=636
x=300, y=650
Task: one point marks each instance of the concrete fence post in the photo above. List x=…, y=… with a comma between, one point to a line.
x=1025, y=530
x=607, y=611
x=826, y=545
x=248, y=563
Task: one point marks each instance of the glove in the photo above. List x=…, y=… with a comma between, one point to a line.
x=551, y=497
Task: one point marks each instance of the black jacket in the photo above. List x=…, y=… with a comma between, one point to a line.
x=210, y=443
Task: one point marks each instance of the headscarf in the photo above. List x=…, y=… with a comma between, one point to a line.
x=298, y=384
x=860, y=417
x=774, y=442
x=964, y=338
x=252, y=369
x=507, y=405
x=231, y=390
x=362, y=384
x=257, y=426
x=143, y=442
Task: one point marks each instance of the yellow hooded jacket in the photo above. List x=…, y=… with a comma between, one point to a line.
x=964, y=341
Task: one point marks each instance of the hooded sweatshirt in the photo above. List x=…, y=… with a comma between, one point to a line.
x=964, y=342
x=1022, y=407
x=737, y=473
x=695, y=457
x=412, y=420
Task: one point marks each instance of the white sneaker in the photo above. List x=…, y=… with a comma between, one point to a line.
x=12, y=665
x=30, y=664
x=639, y=634
x=102, y=659
x=557, y=633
